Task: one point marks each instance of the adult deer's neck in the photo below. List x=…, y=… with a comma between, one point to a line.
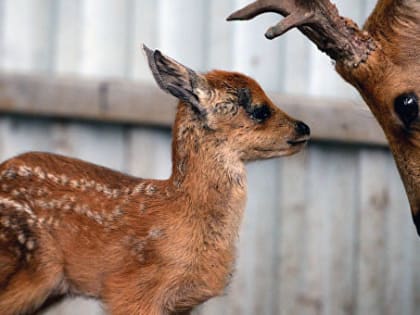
x=407, y=158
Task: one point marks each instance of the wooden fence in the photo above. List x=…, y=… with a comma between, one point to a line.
x=325, y=232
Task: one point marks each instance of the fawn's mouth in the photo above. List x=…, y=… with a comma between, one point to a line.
x=298, y=141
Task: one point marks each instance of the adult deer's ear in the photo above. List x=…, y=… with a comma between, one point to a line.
x=176, y=79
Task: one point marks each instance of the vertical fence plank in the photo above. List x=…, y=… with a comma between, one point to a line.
x=69, y=34
x=374, y=202
x=415, y=276
x=290, y=236
x=100, y=144
x=339, y=183
x=149, y=153
x=297, y=63
x=219, y=44
x=20, y=135
x=254, y=54
x=143, y=29
x=104, y=37
x=27, y=32
x=312, y=296
x=181, y=31
x=263, y=202
x=2, y=44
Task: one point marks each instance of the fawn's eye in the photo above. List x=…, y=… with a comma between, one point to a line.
x=260, y=113
x=407, y=107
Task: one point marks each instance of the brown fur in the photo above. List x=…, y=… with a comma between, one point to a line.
x=142, y=246
x=391, y=70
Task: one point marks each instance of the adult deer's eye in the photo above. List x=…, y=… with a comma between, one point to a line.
x=260, y=113
x=407, y=108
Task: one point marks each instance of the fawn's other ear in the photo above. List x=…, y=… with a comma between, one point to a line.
x=176, y=79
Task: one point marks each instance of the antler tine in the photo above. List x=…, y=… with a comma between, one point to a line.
x=253, y=9
x=293, y=20
x=320, y=21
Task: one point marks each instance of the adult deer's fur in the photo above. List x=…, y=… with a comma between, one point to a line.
x=382, y=61
x=142, y=246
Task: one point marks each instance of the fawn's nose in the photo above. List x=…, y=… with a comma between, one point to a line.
x=302, y=128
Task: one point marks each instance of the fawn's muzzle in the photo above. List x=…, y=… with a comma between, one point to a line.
x=302, y=128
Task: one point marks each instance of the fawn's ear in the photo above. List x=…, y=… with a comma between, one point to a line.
x=176, y=79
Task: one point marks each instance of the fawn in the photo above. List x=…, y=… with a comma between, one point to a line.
x=381, y=61
x=142, y=246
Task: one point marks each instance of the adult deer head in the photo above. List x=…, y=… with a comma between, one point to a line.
x=382, y=61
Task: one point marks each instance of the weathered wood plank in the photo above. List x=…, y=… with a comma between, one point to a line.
x=69, y=37
x=315, y=255
x=27, y=32
x=291, y=239
x=374, y=205
x=339, y=182
x=219, y=44
x=263, y=58
x=104, y=30
x=415, y=276
x=296, y=64
x=125, y=101
x=96, y=143
x=149, y=153
x=143, y=29
x=180, y=20
x=22, y=135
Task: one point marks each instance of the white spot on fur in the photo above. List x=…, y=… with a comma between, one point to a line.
x=150, y=189
x=39, y=172
x=30, y=244
x=24, y=170
x=139, y=188
x=18, y=206
x=155, y=233
x=21, y=238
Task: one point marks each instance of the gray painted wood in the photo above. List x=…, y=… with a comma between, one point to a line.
x=325, y=232
x=69, y=36
x=181, y=31
x=27, y=33
x=219, y=42
x=142, y=144
x=142, y=29
x=104, y=38
x=263, y=59
x=374, y=206
x=292, y=194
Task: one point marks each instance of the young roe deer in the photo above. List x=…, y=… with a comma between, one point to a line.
x=382, y=61
x=142, y=246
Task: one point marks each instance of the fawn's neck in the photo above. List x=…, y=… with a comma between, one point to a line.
x=212, y=176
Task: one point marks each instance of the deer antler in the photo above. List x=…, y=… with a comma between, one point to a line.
x=339, y=37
